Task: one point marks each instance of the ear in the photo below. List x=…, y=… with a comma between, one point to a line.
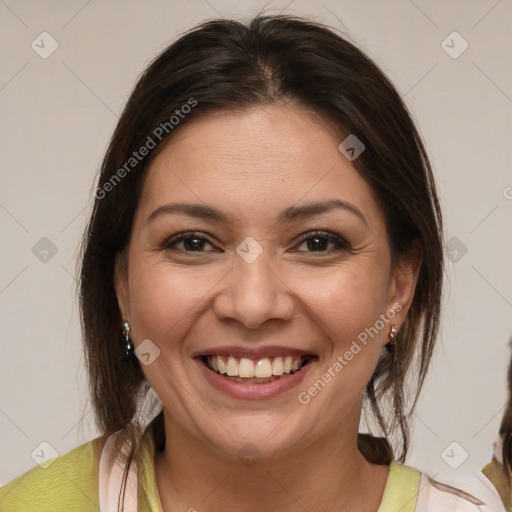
x=121, y=284
x=402, y=284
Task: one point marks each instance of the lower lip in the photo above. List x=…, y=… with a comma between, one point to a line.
x=253, y=391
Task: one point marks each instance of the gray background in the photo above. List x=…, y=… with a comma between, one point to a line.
x=58, y=113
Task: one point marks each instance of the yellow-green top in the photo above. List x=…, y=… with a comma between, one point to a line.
x=495, y=473
x=70, y=483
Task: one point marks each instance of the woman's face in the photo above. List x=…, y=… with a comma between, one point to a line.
x=284, y=262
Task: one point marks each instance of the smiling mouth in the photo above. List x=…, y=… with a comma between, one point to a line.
x=261, y=371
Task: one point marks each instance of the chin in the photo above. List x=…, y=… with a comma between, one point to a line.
x=256, y=438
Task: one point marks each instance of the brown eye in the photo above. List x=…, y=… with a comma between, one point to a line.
x=319, y=241
x=192, y=242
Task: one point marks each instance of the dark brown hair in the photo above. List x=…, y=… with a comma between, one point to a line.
x=227, y=65
x=506, y=426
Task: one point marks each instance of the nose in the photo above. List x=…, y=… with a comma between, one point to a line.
x=254, y=293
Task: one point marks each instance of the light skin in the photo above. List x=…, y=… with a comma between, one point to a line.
x=300, y=292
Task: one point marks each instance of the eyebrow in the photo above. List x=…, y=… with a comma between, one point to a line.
x=287, y=216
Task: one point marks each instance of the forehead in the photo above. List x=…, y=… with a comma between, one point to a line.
x=271, y=139
x=253, y=159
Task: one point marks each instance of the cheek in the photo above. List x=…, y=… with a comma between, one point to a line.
x=345, y=301
x=163, y=300
x=347, y=306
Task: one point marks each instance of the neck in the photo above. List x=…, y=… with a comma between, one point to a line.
x=329, y=474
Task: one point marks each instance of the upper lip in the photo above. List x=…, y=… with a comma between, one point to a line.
x=253, y=352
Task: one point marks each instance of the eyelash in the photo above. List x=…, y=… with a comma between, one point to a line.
x=341, y=244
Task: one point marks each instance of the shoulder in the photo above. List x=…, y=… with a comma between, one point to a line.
x=68, y=482
x=467, y=492
x=496, y=474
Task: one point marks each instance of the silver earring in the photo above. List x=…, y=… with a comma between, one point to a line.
x=128, y=349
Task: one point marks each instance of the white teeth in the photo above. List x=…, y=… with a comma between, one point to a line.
x=232, y=367
x=277, y=366
x=246, y=368
x=221, y=363
x=263, y=369
x=254, y=380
